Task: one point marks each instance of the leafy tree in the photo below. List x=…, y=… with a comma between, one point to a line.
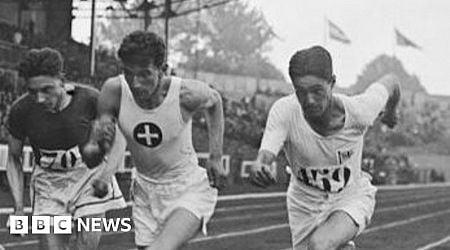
x=421, y=123
x=383, y=65
x=227, y=39
x=110, y=32
x=234, y=39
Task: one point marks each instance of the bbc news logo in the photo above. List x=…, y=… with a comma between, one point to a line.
x=63, y=224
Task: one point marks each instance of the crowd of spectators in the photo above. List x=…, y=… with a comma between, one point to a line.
x=8, y=32
x=244, y=120
x=6, y=99
x=8, y=94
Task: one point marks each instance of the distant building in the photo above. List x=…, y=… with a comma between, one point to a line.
x=237, y=87
x=50, y=17
x=424, y=164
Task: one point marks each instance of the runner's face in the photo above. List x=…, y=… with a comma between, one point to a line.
x=47, y=91
x=145, y=79
x=313, y=93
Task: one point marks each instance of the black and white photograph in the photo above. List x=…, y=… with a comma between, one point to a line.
x=224, y=125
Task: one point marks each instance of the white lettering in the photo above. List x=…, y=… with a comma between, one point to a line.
x=96, y=224
x=111, y=223
x=83, y=223
x=62, y=224
x=126, y=224
x=40, y=224
x=18, y=224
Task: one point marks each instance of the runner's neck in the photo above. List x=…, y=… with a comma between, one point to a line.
x=331, y=121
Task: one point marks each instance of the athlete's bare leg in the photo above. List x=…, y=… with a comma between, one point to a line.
x=87, y=240
x=179, y=228
x=348, y=246
x=335, y=233
x=54, y=241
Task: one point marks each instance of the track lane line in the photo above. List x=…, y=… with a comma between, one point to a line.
x=435, y=244
x=277, y=227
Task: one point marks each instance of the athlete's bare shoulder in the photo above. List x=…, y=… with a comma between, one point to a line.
x=112, y=83
x=71, y=86
x=110, y=94
x=23, y=100
x=286, y=104
x=196, y=95
x=83, y=91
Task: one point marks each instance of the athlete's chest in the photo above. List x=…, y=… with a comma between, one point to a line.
x=325, y=162
x=152, y=129
x=62, y=130
x=314, y=148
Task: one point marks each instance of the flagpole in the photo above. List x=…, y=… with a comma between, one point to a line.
x=325, y=33
x=394, y=43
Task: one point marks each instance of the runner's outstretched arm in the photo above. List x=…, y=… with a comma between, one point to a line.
x=273, y=139
x=259, y=172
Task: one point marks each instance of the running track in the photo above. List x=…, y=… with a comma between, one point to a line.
x=416, y=217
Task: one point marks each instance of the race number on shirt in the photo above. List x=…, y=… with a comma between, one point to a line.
x=59, y=159
x=326, y=178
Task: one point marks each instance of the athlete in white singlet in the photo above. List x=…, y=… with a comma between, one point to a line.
x=172, y=197
x=329, y=199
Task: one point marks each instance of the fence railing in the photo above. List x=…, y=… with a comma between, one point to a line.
x=125, y=167
x=11, y=53
x=246, y=165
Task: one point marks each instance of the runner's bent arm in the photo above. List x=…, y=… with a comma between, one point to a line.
x=273, y=140
x=259, y=173
x=215, y=122
x=14, y=172
x=393, y=86
x=196, y=96
x=382, y=96
x=103, y=128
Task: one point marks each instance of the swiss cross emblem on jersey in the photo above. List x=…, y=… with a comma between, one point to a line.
x=148, y=134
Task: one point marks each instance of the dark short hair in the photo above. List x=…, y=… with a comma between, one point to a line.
x=143, y=47
x=314, y=61
x=39, y=62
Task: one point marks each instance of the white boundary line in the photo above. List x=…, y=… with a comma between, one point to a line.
x=413, y=186
x=280, y=213
x=411, y=205
x=283, y=194
x=246, y=207
x=282, y=226
x=400, y=198
x=21, y=243
x=251, y=196
x=241, y=233
x=10, y=210
x=250, y=216
x=404, y=222
x=415, y=191
x=435, y=244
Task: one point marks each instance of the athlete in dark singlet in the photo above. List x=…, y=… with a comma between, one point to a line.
x=55, y=117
